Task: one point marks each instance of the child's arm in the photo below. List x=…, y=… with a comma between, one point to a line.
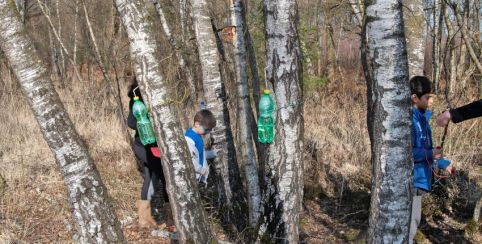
x=210, y=154
x=422, y=154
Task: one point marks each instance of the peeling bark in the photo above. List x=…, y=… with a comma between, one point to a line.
x=189, y=215
x=389, y=122
x=283, y=173
x=94, y=218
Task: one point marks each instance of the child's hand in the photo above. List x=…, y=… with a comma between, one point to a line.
x=450, y=170
x=204, y=170
x=437, y=153
x=212, y=153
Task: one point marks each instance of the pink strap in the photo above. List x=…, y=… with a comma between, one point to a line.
x=155, y=151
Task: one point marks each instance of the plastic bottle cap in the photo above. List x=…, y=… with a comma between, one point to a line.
x=266, y=91
x=136, y=98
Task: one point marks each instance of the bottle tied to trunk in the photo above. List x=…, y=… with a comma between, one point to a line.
x=266, y=120
x=144, y=126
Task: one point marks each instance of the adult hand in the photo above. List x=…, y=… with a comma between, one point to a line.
x=444, y=118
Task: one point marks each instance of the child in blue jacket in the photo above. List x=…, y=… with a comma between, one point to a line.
x=425, y=157
x=204, y=122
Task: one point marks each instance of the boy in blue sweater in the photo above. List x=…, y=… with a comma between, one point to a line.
x=204, y=122
x=425, y=157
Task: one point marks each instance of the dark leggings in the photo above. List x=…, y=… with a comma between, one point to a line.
x=151, y=171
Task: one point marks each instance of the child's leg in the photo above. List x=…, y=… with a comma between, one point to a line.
x=146, y=184
x=416, y=213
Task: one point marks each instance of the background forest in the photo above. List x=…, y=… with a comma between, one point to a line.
x=92, y=70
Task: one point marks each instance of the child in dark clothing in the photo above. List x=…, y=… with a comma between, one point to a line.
x=149, y=159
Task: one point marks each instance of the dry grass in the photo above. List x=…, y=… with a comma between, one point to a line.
x=36, y=196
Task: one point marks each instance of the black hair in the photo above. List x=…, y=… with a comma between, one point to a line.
x=133, y=86
x=420, y=85
x=205, y=118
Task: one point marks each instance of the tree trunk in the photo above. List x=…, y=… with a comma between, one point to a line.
x=54, y=73
x=3, y=185
x=229, y=187
x=436, y=42
x=358, y=10
x=74, y=51
x=283, y=188
x=478, y=206
x=415, y=35
x=61, y=57
x=189, y=215
x=182, y=17
x=177, y=50
x=244, y=113
x=94, y=219
x=465, y=37
x=46, y=12
x=253, y=66
x=21, y=9
x=389, y=122
x=451, y=70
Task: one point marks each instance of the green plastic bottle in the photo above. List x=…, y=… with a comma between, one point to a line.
x=144, y=126
x=266, y=120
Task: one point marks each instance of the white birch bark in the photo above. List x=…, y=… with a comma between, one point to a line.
x=415, y=27
x=389, y=121
x=283, y=190
x=244, y=113
x=177, y=49
x=229, y=188
x=94, y=219
x=189, y=215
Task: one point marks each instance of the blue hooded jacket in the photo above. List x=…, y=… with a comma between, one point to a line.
x=422, y=150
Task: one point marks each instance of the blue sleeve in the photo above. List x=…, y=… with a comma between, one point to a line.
x=419, y=152
x=443, y=163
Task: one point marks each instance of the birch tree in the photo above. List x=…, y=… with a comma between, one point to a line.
x=283, y=190
x=244, y=112
x=436, y=41
x=415, y=27
x=189, y=216
x=229, y=183
x=389, y=121
x=94, y=219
